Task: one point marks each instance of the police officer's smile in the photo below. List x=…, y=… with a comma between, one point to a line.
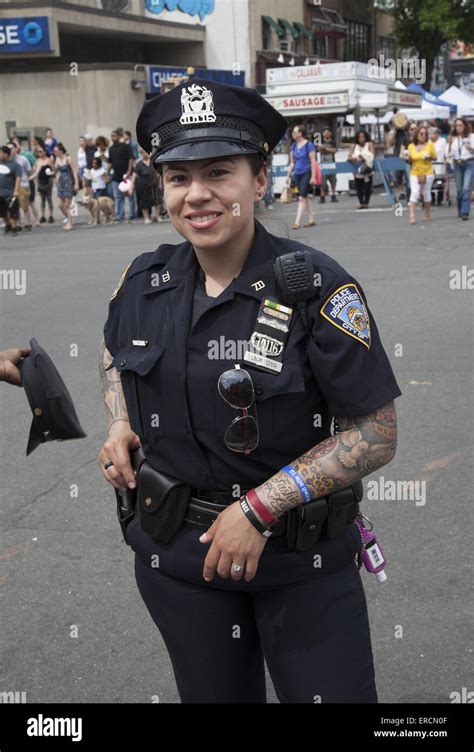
x=210, y=201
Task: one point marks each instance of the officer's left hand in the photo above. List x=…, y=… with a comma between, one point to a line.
x=234, y=541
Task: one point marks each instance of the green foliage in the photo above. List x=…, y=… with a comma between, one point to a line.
x=427, y=24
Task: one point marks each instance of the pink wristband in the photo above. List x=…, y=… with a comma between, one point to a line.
x=255, y=502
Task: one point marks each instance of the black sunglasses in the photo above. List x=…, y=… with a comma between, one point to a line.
x=236, y=388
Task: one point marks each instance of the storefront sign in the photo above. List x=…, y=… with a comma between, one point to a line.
x=404, y=98
x=29, y=34
x=308, y=73
x=202, y=8
x=157, y=75
x=310, y=103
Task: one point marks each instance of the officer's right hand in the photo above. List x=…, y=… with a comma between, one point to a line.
x=121, y=440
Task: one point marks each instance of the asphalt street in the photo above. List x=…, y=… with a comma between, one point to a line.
x=73, y=625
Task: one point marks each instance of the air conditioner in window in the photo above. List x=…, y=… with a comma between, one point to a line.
x=287, y=46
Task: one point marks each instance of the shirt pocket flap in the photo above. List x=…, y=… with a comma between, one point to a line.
x=289, y=380
x=137, y=359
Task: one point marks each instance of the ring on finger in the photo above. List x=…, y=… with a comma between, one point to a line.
x=237, y=567
x=108, y=464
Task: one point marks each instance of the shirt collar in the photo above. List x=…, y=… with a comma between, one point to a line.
x=171, y=264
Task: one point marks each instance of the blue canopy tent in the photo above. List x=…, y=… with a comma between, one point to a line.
x=431, y=98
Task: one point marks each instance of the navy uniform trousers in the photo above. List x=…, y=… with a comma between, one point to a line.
x=304, y=612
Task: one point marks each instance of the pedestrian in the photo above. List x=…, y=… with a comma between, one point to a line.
x=327, y=155
x=81, y=158
x=461, y=152
x=439, y=166
x=269, y=196
x=421, y=155
x=144, y=184
x=44, y=172
x=50, y=142
x=101, y=149
x=204, y=367
x=67, y=182
x=127, y=139
x=10, y=176
x=90, y=149
x=303, y=168
x=98, y=178
x=36, y=142
x=32, y=186
x=24, y=191
x=362, y=154
x=121, y=162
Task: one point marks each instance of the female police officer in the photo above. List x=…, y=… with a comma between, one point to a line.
x=231, y=391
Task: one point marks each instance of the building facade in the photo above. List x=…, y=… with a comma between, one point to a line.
x=87, y=65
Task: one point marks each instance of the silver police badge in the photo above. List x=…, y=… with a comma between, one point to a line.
x=197, y=105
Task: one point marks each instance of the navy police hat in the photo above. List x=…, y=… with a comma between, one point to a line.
x=54, y=416
x=199, y=119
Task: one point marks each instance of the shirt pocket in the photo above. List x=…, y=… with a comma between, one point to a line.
x=141, y=382
x=280, y=400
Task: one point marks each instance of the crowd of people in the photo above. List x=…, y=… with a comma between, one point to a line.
x=430, y=152
x=103, y=176
x=106, y=175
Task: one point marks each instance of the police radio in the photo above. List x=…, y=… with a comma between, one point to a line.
x=294, y=274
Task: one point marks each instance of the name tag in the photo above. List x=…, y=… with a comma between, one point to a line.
x=268, y=339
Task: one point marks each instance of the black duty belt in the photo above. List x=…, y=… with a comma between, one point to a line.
x=329, y=513
x=201, y=512
x=166, y=503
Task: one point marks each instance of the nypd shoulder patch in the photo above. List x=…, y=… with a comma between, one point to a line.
x=121, y=281
x=346, y=310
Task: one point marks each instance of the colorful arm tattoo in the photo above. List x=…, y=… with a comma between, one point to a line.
x=362, y=445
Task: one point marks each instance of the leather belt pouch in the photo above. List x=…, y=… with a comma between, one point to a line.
x=325, y=517
x=305, y=524
x=343, y=508
x=162, y=503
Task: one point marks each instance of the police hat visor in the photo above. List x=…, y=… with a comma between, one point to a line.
x=204, y=150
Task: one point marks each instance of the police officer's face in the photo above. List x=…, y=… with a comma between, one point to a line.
x=211, y=201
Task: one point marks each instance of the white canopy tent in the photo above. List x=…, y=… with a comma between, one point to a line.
x=427, y=112
x=464, y=101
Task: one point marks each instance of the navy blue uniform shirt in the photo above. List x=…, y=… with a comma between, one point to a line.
x=170, y=384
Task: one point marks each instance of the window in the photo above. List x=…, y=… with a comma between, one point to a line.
x=266, y=35
x=327, y=27
x=113, y=6
x=386, y=47
x=357, y=42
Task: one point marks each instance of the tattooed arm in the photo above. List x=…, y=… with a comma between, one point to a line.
x=112, y=392
x=363, y=445
x=114, y=455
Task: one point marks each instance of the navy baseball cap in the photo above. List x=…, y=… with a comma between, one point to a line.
x=54, y=416
x=199, y=119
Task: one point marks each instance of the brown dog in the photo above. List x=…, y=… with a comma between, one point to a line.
x=102, y=204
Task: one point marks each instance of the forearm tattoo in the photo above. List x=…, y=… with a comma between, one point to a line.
x=112, y=391
x=362, y=445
